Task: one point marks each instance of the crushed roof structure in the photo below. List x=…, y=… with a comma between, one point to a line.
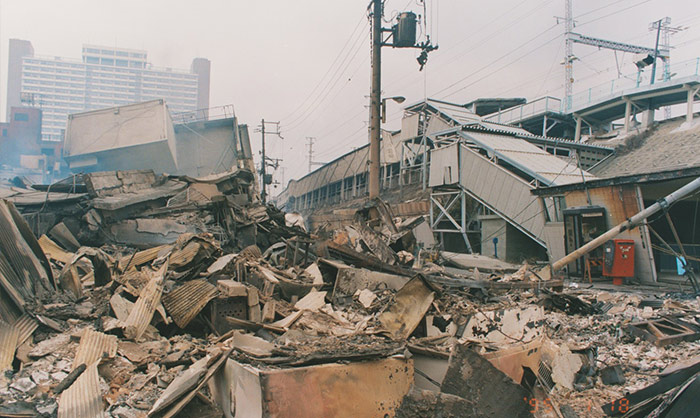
x=667, y=147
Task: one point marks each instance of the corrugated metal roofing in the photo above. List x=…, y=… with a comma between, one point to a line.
x=25, y=326
x=185, y=302
x=8, y=344
x=93, y=346
x=142, y=311
x=545, y=167
x=83, y=399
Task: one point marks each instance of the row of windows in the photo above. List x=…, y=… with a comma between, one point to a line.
x=50, y=76
x=52, y=70
x=107, y=85
x=35, y=77
x=114, y=68
x=51, y=63
x=78, y=96
x=348, y=188
x=114, y=52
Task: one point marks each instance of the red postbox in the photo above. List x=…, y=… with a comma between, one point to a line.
x=619, y=259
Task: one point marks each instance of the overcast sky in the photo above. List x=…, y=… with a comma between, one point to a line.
x=306, y=62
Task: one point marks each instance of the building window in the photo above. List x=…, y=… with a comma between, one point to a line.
x=92, y=60
x=106, y=61
x=4, y=132
x=122, y=63
x=21, y=117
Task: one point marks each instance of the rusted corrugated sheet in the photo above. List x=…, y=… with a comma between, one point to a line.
x=82, y=399
x=142, y=312
x=8, y=344
x=141, y=257
x=25, y=326
x=53, y=251
x=93, y=346
x=185, y=302
x=24, y=270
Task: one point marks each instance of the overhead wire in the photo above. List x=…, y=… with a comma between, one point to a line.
x=614, y=13
x=474, y=43
x=337, y=76
x=599, y=8
x=473, y=73
x=337, y=57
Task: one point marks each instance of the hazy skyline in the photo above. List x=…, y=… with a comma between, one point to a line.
x=269, y=58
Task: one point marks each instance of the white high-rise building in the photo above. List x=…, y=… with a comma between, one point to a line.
x=105, y=77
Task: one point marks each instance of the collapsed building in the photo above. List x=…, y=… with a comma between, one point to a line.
x=152, y=295
x=154, y=281
x=502, y=191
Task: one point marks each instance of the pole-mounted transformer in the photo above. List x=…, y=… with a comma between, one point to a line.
x=404, y=31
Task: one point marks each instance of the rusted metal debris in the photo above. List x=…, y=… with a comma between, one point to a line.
x=176, y=294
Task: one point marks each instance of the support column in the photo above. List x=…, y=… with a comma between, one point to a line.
x=628, y=115
x=544, y=126
x=647, y=118
x=577, y=135
x=691, y=99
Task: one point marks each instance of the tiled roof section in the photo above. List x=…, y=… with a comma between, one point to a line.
x=662, y=150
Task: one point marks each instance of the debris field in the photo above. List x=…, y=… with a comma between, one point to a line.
x=128, y=294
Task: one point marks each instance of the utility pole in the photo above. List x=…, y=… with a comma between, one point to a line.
x=403, y=35
x=311, y=153
x=311, y=150
x=569, y=54
x=375, y=92
x=665, y=45
x=656, y=50
x=573, y=37
x=263, y=164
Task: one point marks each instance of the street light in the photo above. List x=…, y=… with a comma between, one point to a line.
x=397, y=99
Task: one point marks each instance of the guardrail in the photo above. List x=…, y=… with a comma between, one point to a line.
x=536, y=107
x=591, y=95
x=613, y=88
x=212, y=113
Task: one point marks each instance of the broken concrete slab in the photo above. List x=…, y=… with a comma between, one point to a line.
x=472, y=377
x=349, y=280
x=506, y=326
x=313, y=301
x=421, y=403
x=366, y=297
x=482, y=262
x=180, y=385
x=411, y=304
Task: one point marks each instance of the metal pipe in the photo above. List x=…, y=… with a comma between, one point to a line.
x=628, y=224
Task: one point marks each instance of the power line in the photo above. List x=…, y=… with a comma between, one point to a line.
x=340, y=53
x=495, y=61
x=615, y=12
x=326, y=91
x=599, y=8
x=474, y=43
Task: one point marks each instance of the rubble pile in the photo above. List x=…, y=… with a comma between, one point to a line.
x=158, y=296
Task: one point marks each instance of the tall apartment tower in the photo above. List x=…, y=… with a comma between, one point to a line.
x=18, y=50
x=103, y=77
